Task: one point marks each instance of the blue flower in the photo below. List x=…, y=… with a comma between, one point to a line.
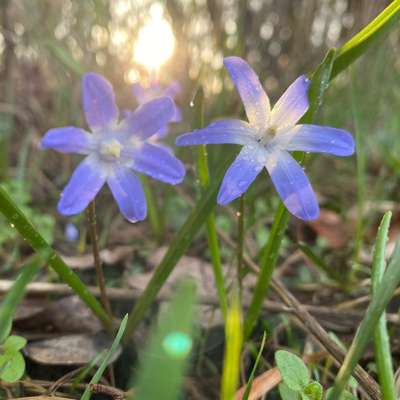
x=143, y=94
x=268, y=138
x=114, y=150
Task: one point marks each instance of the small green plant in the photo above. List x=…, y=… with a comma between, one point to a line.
x=296, y=381
x=12, y=363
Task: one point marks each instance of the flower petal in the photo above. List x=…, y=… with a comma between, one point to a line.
x=292, y=105
x=317, y=139
x=67, y=140
x=172, y=90
x=157, y=162
x=98, y=101
x=139, y=92
x=150, y=117
x=128, y=193
x=177, y=117
x=241, y=173
x=254, y=98
x=231, y=131
x=86, y=181
x=292, y=185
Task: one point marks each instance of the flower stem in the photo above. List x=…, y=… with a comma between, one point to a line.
x=91, y=213
x=240, y=241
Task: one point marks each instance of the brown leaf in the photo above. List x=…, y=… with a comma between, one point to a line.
x=261, y=385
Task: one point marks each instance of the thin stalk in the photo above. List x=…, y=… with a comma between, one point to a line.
x=155, y=217
x=212, y=236
x=91, y=213
x=240, y=241
x=361, y=179
x=381, y=337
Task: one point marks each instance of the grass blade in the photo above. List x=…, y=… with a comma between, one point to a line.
x=360, y=43
x=366, y=330
x=381, y=337
x=204, y=178
x=255, y=366
x=114, y=347
x=166, y=354
x=233, y=347
x=18, y=220
x=16, y=293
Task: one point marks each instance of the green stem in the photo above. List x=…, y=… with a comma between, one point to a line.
x=91, y=212
x=381, y=337
x=212, y=236
x=240, y=241
x=155, y=217
x=18, y=220
x=360, y=151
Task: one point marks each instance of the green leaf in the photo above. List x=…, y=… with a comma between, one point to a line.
x=313, y=391
x=233, y=347
x=16, y=293
x=379, y=302
x=360, y=43
x=12, y=366
x=293, y=370
x=14, y=343
x=383, y=353
x=106, y=360
x=287, y=393
x=18, y=220
x=166, y=353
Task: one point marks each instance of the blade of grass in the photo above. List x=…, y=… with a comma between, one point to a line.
x=233, y=347
x=15, y=295
x=360, y=43
x=18, y=220
x=361, y=178
x=155, y=216
x=366, y=330
x=165, y=358
x=381, y=337
x=204, y=178
x=106, y=360
x=255, y=366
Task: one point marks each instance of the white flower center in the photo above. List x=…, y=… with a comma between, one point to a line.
x=110, y=149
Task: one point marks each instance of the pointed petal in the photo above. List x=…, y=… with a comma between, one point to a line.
x=150, y=117
x=317, y=139
x=241, y=173
x=98, y=101
x=128, y=193
x=229, y=131
x=292, y=105
x=292, y=185
x=254, y=98
x=86, y=181
x=67, y=140
x=157, y=162
x=173, y=89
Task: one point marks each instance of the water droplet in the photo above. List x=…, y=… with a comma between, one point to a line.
x=177, y=344
x=191, y=104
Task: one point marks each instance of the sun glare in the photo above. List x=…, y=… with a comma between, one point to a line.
x=155, y=43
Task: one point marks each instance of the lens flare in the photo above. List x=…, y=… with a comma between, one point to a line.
x=155, y=43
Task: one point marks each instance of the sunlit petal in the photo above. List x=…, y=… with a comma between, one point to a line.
x=67, y=140
x=254, y=98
